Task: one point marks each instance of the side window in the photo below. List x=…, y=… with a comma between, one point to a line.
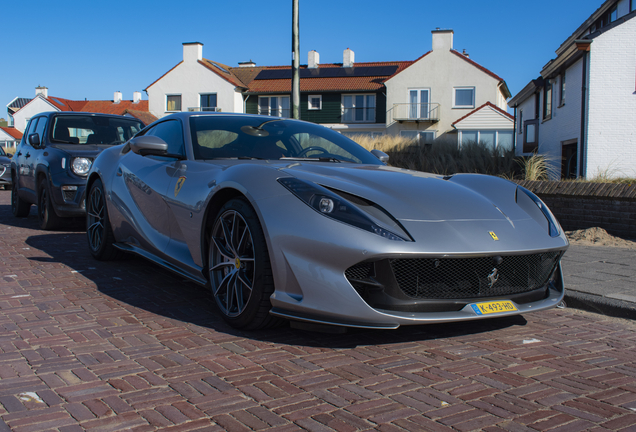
x=30, y=129
x=171, y=132
x=40, y=128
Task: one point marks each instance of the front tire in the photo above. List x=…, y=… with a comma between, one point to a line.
x=99, y=233
x=239, y=268
x=19, y=207
x=47, y=217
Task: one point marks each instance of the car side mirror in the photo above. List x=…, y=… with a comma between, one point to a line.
x=149, y=145
x=9, y=155
x=34, y=140
x=380, y=155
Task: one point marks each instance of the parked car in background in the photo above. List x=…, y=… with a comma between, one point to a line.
x=51, y=162
x=288, y=219
x=5, y=169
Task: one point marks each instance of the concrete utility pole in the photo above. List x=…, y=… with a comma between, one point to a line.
x=295, y=62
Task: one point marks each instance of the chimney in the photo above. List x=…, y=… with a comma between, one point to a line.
x=192, y=51
x=247, y=64
x=348, y=58
x=136, y=97
x=313, y=59
x=117, y=97
x=442, y=40
x=40, y=90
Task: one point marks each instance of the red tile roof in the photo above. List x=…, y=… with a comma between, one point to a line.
x=104, y=107
x=12, y=132
x=489, y=104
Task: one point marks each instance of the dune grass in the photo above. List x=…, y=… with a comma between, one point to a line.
x=447, y=158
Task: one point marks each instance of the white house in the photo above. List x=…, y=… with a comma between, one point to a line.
x=422, y=99
x=580, y=111
x=428, y=98
x=195, y=84
x=42, y=102
x=9, y=138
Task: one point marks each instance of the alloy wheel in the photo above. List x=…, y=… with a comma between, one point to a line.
x=232, y=263
x=95, y=218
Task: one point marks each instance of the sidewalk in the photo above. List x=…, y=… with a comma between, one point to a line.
x=601, y=280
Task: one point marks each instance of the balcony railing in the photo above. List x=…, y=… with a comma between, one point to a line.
x=422, y=112
x=213, y=109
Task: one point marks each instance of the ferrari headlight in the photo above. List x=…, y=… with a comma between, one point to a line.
x=553, y=224
x=334, y=206
x=81, y=165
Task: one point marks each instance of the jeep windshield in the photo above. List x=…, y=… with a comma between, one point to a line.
x=93, y=129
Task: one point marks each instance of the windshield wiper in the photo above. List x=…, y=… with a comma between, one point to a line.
x=313, y=159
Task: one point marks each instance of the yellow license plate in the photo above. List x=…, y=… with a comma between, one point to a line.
x=493, y=307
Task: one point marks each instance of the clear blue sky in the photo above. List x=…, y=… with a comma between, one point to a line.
x=91, y=48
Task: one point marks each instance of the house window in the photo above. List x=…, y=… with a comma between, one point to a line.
x=422, y=137
x=613, y=14
x=531, y=136
x=562, y=90
x=173, y=103
x=493, y=139
x=358, y=108
x=314, y=102
x=419, y=100
x=208, y=102
x=547, y=101
x=464, y=97
x=276, y=106
x=520, y=125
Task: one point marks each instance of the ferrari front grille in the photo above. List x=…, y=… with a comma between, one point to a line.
x=461, y=278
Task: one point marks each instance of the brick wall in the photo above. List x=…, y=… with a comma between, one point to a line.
x=586, y=205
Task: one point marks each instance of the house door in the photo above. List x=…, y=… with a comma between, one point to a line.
x=569, y=159
x=419, y=103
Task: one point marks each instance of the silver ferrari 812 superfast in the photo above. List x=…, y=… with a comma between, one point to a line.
x=287, y=219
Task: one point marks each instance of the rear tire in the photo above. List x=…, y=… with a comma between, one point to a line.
x=99, y=233
x=240, y=272
x=47, y=217
x=19, y=207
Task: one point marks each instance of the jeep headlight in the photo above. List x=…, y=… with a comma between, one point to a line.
x=81, y=165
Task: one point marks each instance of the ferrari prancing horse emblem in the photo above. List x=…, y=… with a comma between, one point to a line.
x=179, y=184
x=492, y=234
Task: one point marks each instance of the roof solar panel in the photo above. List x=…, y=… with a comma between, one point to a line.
x=339, y=72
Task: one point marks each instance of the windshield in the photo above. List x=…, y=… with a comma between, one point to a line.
x=226, y=137
x=93, y=129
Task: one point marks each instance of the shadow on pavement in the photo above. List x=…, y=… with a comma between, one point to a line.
x=144, y=285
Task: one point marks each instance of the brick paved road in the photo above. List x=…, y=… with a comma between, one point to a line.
x=86, y=345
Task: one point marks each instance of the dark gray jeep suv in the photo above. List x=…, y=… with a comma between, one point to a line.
x=50, y=165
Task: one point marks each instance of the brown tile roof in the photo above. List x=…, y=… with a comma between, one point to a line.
x=144, y=116
x=309, y=84
x=489, y=104
x=12, y=132
x=223, y=71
